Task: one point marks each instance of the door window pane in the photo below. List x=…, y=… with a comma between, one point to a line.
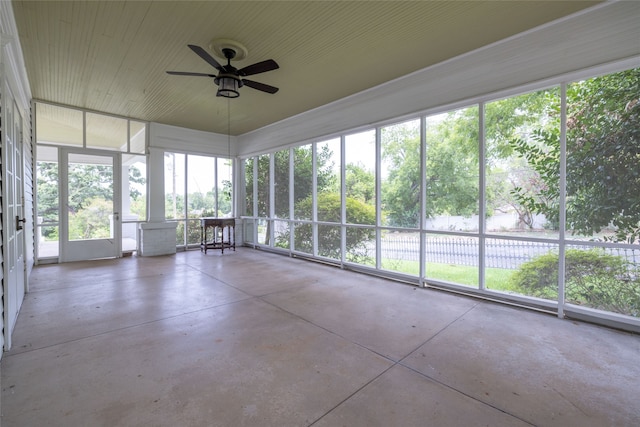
x=90, y=197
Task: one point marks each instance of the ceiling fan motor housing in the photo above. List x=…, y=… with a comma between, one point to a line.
x=229, y=53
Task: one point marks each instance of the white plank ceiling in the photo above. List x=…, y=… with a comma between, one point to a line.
x=111, y=56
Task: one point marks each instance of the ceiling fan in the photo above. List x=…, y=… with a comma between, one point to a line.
x=229, y=78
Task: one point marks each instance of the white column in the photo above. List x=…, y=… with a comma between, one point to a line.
x=155, y=176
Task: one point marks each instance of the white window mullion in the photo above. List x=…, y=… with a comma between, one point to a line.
x=314, y=199
x=562, y=194
x=482, y=199
x=186, y=202
x=292, y=199
x=343, y=205
x=216, y=190
x=255, y=200
x=423, y=200
x=272, y=197
x=378, y=198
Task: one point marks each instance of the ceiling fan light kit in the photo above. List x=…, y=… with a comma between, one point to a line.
x=228, y=86
x=229, y=78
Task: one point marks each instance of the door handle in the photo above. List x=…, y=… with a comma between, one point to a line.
x=19, y=221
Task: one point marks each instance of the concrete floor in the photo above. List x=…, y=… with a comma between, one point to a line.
x=257, y=339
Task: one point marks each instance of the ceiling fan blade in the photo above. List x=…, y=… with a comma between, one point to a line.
x=259, y=67
x=260, y=86
x=205, y=55
x=188, y=73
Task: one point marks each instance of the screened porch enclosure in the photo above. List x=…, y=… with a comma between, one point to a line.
x=522, y=197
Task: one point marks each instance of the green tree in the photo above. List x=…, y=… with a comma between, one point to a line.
x=452, y=167
x=303, y=181
x=135, y=179
x=360, y=183
x=400, y=190
x=224, y=198
x=303, y=177
x=87, y=183
x=47, y=195
x=603, y=157
x=139, y=207
x=170, y=203
x=137, y=198
x=518, y=133
x=452, y=161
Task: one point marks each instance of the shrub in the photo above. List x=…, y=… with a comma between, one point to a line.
x=593, y=278
x=329, y=209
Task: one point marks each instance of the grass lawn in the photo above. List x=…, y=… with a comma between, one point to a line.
x=495, y=278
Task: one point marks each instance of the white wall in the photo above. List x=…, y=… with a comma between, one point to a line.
x=600, y=35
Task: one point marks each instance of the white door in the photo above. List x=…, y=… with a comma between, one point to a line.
x=90, y=226
x=14, y=257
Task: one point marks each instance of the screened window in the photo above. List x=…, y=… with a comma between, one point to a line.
x=471, y=197
x=196, y=186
